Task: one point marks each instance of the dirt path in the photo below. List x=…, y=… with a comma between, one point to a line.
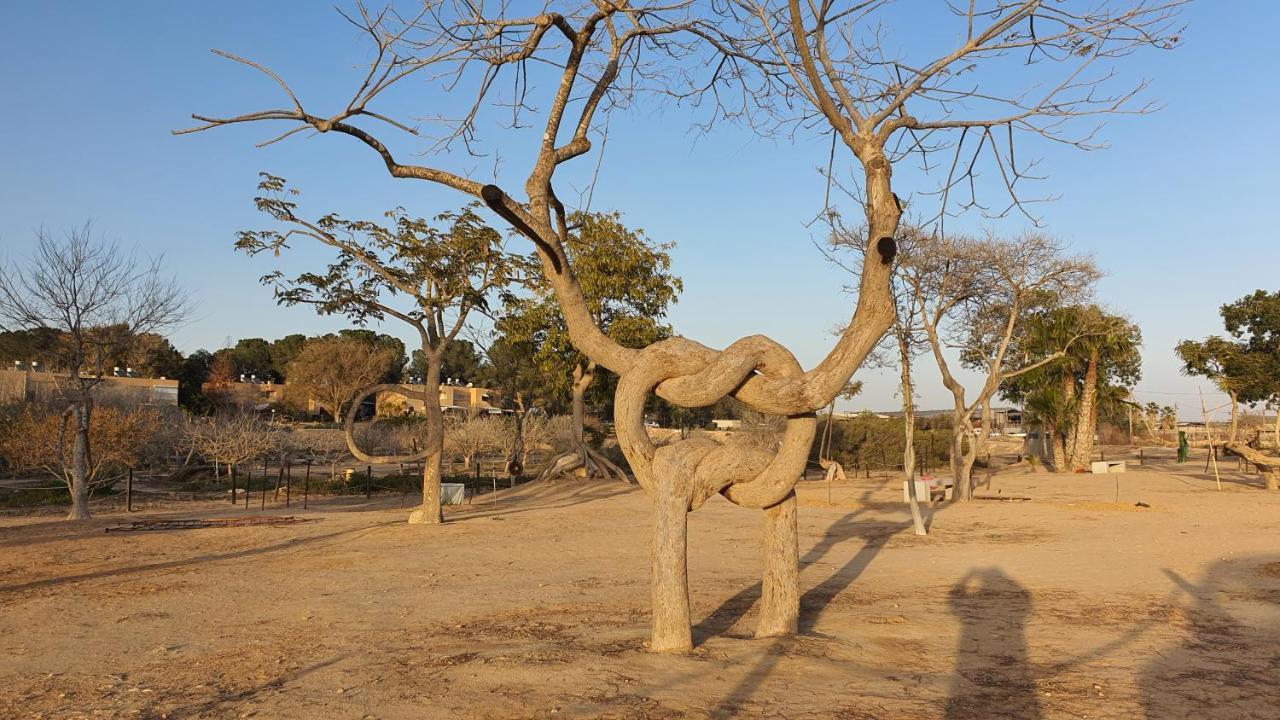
x=1068, y=605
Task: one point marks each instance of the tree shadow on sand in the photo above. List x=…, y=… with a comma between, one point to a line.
x=816, y=599
x=993, y=676
x=1224, y=668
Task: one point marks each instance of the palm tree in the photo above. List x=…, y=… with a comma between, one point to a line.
x=1102, y=360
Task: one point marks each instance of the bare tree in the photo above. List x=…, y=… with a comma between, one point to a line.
x=601, y=55
x=972, y=295
x=473, y=434
x=233, y=438
x=101, y=299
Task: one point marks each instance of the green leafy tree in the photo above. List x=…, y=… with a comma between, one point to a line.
x=1247, y=367
x=283, y=351
x=333, y=369
x=430, y=276
x=459, y=362
x=628, y=286
x=1095, y=375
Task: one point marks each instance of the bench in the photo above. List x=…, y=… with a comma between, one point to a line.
x=926, y=487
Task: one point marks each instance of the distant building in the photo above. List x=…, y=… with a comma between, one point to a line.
x=17, y=386
x=455, y=398
x=247, y=394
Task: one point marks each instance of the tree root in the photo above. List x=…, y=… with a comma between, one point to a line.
x=597, y=465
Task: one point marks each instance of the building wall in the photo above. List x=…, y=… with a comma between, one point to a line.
x=26, y=386
x=469, y=399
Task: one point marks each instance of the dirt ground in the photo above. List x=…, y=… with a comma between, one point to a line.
x=1064, y=605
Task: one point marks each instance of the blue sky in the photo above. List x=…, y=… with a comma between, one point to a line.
x=1178, y=211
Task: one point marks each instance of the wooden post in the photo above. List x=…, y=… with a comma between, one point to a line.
x=233, y=485
x=368, y=481
x=1213, y=449
x=248, y=480
x=128, y=493
x=306, y=486
x=263, y=506
x=1142, y=460
x=288, y=482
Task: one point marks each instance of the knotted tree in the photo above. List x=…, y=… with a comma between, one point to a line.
x=568, y=68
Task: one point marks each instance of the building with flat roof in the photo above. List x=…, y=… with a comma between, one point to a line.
x=18, y=386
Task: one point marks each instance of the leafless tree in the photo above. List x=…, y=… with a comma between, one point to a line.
x=234, y=438
x=971, y=295
x=473, y=434
x=598, y=56
x=101, y=299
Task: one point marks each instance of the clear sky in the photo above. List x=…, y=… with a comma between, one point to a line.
x=1179, y=211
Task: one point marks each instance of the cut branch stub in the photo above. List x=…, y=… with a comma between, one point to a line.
x=348, y=426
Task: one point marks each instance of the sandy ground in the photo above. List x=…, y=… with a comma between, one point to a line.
x=1066, y=605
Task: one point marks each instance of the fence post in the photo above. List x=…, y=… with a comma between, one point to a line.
x=248, y=480
x=288, y=482
x=233, y=485
x=128, y=493
x=1141, y=457
x=275, y=496
x=306, y=486
x=368, y=481
x=264, y=489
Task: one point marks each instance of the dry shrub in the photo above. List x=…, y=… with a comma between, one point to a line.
x=119, y=438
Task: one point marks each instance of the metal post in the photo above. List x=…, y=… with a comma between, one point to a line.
x=1141, y=457
x=368, y=481
x=248, y=480
x=306, y=486
x=275, y=496
x=128, y=493
x=233, y=485
x=264, y=489
x=288, y=482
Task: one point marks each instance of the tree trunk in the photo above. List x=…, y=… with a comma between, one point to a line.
x=1235, y=416
x=1063, y=462
x=433, y=443
x=780, y=589
x=1086, y=418
x=962, y=460
x=909, y=435
x=582, y=377
x=670, y=577
x=1268, y=466
x=80, y=460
